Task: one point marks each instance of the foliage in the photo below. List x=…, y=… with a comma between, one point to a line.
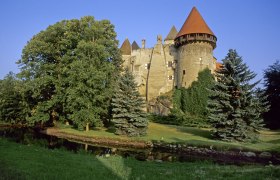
x=235, y=107
x=12, y=106
x=272, y=90
x=190, y=104
x=128, y=105
x=69, y=71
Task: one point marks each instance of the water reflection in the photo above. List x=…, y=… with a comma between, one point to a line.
x=34, y=137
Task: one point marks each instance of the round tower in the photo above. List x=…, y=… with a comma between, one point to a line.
x=195, y=43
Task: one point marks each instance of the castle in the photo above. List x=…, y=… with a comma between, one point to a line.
x=174, y=63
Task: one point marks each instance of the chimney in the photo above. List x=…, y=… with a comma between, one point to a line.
x=159, y=39
x=143, y=43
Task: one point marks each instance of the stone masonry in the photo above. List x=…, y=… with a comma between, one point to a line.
x=176, y=61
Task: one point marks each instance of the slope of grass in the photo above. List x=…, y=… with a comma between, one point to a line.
x=30, y=162
x=269, y=140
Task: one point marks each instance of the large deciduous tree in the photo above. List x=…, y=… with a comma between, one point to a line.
x=127, y=108
x=272, y=90
x=235, y=106
x=69, y=70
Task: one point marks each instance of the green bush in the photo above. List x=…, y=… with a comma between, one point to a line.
x=189, y=105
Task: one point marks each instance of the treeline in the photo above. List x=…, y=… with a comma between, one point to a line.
x=69, y=73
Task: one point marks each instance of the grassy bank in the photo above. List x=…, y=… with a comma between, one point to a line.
x=30, y=162
x=269, y=140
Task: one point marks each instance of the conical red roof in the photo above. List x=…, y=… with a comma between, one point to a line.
x=194, y=24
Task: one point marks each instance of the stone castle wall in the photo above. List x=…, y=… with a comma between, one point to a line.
x=193, y=58
x=153, y=69
x=160, y=69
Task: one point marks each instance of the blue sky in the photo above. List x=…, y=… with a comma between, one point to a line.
x=252, y=27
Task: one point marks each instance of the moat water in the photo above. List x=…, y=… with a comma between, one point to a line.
x=159, y=153
x=35, y=137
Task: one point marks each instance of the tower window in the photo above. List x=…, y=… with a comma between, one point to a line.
x=170, y=77
x=147, y=66
x=169, y=63
x=184, y=72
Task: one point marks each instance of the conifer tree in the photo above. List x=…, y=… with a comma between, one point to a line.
x=272, y=90
x=235, y=107
x=12, y=106
x=127, y=108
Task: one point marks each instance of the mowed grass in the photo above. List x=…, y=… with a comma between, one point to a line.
x=19, y=161
x=269, y=140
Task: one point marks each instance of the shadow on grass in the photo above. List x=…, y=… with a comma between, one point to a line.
x=195, y=131
x=111, y=130
x=218, y=145
x=276, y=141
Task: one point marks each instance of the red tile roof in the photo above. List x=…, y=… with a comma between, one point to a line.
x=194, y=24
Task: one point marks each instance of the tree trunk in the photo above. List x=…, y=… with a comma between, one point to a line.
x=87, y=127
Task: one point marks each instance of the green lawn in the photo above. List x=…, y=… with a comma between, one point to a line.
x=269, y=140
x=19, y=161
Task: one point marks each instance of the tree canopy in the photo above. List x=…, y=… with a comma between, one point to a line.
x=235, y=106
x=69, y=71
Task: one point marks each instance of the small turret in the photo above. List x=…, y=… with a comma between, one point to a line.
x=171, y=36
x=126, y=47
x=134, y=46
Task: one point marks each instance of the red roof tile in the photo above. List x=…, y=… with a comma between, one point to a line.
x=194, y=24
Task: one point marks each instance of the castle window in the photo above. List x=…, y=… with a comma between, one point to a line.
x=170, y=77
x=169, y=63
x=184, y=72
x=147, y=66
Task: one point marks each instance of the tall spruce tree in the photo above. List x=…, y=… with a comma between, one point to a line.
x=127, y=108
x=12, y=107
x=235, y=107
x=272, y=90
